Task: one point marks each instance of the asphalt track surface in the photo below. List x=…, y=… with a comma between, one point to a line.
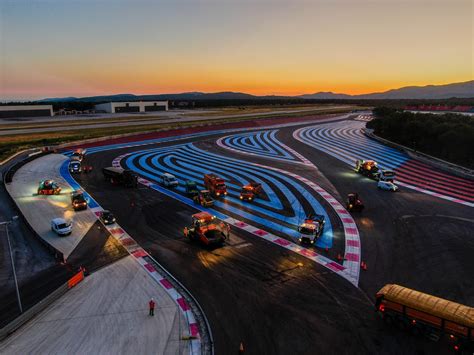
x=346, y=142
x=278, y=302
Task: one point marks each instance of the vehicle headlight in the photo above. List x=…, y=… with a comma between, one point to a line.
x=241, y=198
x=225, y=193
x=217, y=193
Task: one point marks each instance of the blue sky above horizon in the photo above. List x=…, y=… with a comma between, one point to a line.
x=84, y=47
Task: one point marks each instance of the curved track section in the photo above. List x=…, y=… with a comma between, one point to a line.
x=286, y=202
x=262, y=144
x=346, y=142
x=190, y=308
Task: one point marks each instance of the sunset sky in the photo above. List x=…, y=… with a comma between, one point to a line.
x=81, y=48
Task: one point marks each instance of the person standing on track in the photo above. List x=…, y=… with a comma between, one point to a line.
x=151, y=305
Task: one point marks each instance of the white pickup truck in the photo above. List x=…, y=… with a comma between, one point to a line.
x=168, y=180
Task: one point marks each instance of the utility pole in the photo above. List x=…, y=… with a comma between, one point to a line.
x=13, y=262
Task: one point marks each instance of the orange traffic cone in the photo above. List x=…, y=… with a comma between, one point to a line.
x=241, y=348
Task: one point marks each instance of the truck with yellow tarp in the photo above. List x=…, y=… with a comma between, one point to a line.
x=426, y=314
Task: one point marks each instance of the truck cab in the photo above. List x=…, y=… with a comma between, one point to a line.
x=168, y=180
x=368, y=168
x=215, y=185
x=78, y=200
x=354, y=203
x=79, y=154
x=311, y=229
x=250, y=191
x=206, y=229
x=74, y=166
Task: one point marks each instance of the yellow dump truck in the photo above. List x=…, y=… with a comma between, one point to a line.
x=427, y=314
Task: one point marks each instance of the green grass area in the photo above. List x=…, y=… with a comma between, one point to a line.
x=14, y=143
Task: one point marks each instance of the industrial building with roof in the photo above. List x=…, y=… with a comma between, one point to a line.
x=26, y=111
x=134, y=106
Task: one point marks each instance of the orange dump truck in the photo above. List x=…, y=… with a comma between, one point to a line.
x=427, y=314
x=215, y=185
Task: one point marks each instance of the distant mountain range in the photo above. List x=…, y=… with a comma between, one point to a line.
x=458, y=90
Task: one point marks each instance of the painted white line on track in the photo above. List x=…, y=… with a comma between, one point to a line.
x=302, y=159
x=351, y=266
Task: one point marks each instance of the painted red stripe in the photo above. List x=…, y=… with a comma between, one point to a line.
x=308, y=253
x=350, y=231
x=445, y=183
x=412, y=168
x=420, y=165
x=434, y=189
x=282, y=242
x=149, y=267
x=429, y=182
x=335, y=266
x=183, y=304
x=194, y=329
x=352, y=243
x=347, y=220
x=166, y=284
x=351, y=257
x=139, y=253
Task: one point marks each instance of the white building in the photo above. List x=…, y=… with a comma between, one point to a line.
x=26, y=111
x=133, y=106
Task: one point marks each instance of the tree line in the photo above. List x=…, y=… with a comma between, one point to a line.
x=448, y=136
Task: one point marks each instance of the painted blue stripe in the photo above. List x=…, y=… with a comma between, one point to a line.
x=234, y=169
x=64, y=171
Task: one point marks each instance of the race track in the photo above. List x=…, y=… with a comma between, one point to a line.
x=257, y=291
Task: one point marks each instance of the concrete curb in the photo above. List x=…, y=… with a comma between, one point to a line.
x=201, y=342
x=425, y=158
x=11, y=157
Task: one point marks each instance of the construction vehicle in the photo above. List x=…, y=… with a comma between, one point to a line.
x=368, y=168
x=311, y=229
x=74, y=166
x=78, y=200
x=250, y=191
x=203, y=198
x=354, y=203
x=79, y=154
x=425, y=314
x=48, y=187
x=215, y=185
x=122, y=176
x=206, y=229
x=168, y=180
x=191, y=188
